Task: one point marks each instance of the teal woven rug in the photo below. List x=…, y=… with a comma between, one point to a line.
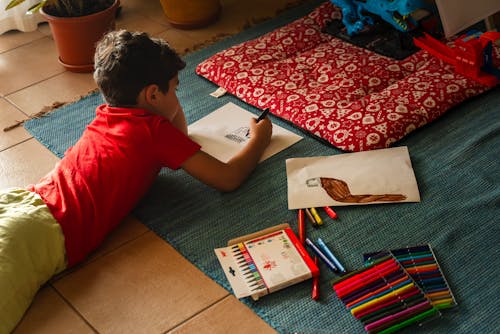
x=456, y=163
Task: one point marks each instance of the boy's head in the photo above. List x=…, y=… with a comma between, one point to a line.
x=126, y=62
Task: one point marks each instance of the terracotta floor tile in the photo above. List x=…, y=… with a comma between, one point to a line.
x=144, y=286
x=60, y=319
x=28, y=64
x=129, y=230
x=9, y=115
x=178, y=39
x=151, y=10
x=13, y=39
x=135, y=22
x=141, y=7
x=64, y=87
x=24, y=164
x=227, y=316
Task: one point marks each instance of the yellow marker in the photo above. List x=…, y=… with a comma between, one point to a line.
x=392, y=294
x=316, y=216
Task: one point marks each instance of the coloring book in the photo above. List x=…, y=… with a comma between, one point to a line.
x=265, y=261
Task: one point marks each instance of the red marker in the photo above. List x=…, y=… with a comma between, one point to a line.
x=302, y=227
x=329, y=211
x=315, y=290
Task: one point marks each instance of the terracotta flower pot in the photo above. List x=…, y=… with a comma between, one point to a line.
x=76, y=37
x=191, y=14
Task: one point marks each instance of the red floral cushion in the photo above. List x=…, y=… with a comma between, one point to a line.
x=352, y=97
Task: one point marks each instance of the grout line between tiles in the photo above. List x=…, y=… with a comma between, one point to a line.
x=98, y=255
x=5, y=96
x=13, y=105
x=16, y=144
x=25, y=43
x=198, y=313
x=74, y=309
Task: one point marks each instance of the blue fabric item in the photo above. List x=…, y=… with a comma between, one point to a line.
x=456, y=163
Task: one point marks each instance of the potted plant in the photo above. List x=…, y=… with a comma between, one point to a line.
x=76, y=26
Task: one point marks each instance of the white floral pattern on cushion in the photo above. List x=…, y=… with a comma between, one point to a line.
x=351, y=97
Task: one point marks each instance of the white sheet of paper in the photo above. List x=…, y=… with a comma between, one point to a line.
x=457, y=15
x=371, y=177
x=224, y=132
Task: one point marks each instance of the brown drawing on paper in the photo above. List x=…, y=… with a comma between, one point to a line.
x=339, y=191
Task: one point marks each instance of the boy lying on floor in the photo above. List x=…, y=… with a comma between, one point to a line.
x=56, y=223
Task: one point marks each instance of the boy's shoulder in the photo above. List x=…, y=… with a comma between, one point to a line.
x=130, y=120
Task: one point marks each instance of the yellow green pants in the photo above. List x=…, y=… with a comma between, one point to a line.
x=31, y=252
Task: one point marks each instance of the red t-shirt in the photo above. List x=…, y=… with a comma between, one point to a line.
x=104, y=175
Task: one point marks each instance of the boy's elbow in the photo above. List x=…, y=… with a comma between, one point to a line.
x=225, y=189
x=228, y=186
x=231, y=175
x=230, y=182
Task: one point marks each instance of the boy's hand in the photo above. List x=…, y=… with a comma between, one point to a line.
x=179, y=120
x=227, y=176
x=261, y=131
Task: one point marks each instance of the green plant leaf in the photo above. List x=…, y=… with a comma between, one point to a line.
x=35, y=8
x=13, y=3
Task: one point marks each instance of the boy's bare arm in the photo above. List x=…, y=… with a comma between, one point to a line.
x=229, y=176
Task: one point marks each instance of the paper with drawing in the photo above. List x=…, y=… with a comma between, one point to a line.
x=372, y=177
x=225, y=131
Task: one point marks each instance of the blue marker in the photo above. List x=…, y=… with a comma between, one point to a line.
x=330, y=255
x=322, y=256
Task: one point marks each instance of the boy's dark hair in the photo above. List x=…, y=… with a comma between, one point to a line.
x=126, y=62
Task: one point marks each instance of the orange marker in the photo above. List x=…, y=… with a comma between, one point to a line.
x=329, y=211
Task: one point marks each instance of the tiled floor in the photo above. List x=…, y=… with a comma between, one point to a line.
x=135, y=282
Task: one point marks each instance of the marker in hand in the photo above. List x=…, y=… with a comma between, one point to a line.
x=260, y=118
x=263, y=115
